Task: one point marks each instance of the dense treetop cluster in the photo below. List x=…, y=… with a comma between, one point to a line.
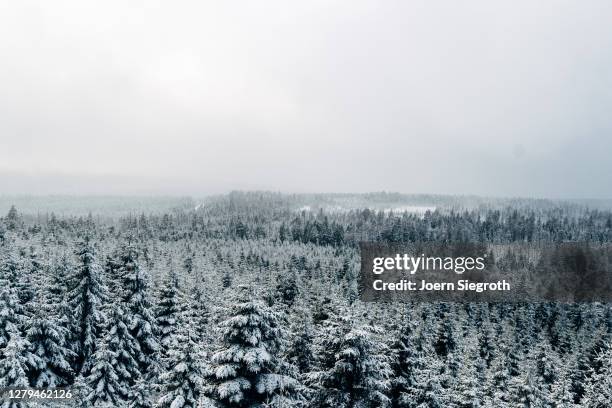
x=250, y=300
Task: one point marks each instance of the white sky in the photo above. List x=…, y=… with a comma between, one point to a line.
x=180, y=97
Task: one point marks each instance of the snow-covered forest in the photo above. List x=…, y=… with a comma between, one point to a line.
x=251, y=300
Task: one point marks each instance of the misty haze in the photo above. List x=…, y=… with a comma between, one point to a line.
x=200, y=98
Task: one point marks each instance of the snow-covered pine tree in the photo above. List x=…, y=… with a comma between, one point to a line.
x=300, y=352
x=86, y=297
x=60, y=271
x=297, y=353
x=105, y=388
x=501, y=386
x=247, y=371
x=13, y=219
x=591, y=346
x=531, y=384
x=11, y=315
x=189, y=261
x=182, y=382
x=47, y=340
x=598, y=391
x=14, y=366
x=48, y=333
x=29, y=280
x=486, y=341
x=467, y=390
x=81, y=393
x=16, y=360
x=404, y=355
x=426, y=389
x=170, y=310
x=199, y=315
x=10, y=266
x=120, y=340
x=562, y=395
x=138, y=309
x=354, y=368
x=447, y=334
x=526, y=390
x=140, y=395
x=226, y=280
x=287, y=288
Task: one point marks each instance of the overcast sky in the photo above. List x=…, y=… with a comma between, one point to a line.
x=174, y=97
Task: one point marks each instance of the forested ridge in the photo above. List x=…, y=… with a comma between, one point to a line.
x=251, y=300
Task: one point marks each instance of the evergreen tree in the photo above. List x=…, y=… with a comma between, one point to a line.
x=140, y=395
x=12, y=219
x=170, y=308
x=404, y=361
x=598, y=392
x=188, y=264
x=199, y=315
x=86, y=297
x=10, y=267
x=354, y=369
x=526, y=391
x=300, y=352
x=467, y=391
x=182, y=382
x=226, y=281
x=422, y=378
x=126, y=348
x=48, y=343
x=139, y=317
x=14, y=366
x=10, y=316
x=287, y=288
x=104, y=384
x=16, y=360
x=499, y=383
x=246, y=371
x=561, y=395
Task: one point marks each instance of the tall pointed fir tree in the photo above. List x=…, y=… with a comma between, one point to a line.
x=591, y=341
x=562, y=389
x=15, y=359
x=12, y=220
x=247, y=370
x=425, y=386
x=127, y=349
x=30, y=279
x=14, y=367
x=86, y=299
x=48, y=342
x=138, y=309
x=170, y=310
x=140, y=395
x=104, y=385
x=354, y=370
x=299, y=352
x=182, y=381
x=598, y=391
x=404, y=355
x=48, y=333
x=467, y=391
x=199, y=315
x=10, y=266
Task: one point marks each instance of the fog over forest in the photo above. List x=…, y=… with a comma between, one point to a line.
x=195, y=98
